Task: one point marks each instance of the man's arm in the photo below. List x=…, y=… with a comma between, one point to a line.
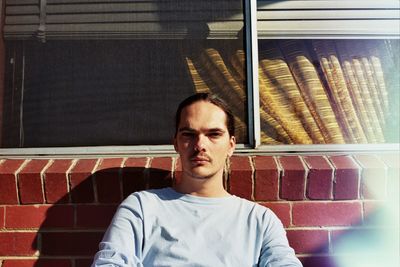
x=276, y=251
x=122, y=243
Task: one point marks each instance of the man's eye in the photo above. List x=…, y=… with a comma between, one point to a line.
x=214, y=135
x=187, y=134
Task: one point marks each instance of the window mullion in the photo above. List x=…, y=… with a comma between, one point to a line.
x=253, y=103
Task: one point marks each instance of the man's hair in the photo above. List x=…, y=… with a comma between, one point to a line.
x=213, y=99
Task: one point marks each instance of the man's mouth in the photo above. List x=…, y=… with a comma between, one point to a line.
x=200, y=159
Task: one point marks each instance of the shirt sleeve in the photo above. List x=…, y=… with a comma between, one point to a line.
x=275, y=251
x=121, y=245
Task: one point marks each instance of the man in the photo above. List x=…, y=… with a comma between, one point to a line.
x=196, y=222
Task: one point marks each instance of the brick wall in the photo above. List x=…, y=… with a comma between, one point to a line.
x=54, y=212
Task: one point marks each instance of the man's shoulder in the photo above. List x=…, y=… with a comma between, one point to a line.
x=255, y=209
x=145, y=199
x=266, y=217
x=250, y=203
x=156, y=194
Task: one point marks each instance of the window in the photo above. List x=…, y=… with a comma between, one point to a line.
x=328, y=73
x=111, y=73
x=99, y=73
x=329, y=91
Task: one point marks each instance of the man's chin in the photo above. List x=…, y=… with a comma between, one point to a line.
x=197, y=173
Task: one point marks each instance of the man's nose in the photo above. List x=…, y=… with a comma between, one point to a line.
x=199, y=143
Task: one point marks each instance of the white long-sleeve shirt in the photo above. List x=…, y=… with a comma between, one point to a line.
x=165, y=228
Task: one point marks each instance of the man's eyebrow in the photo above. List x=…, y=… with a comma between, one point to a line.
x=213, y=130
x=216, y=130
x=186, y=129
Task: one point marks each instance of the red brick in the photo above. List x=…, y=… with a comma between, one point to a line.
x=18, y=244
x=135, y=163
x=94, y=216
x=37, y=263
x=56, y=182
x=133, y=178
x=320, y=178
x=309, y=241
x=347, y=178
x=2, y=214
x=373, y=176
x=317, y=261
x=108, y=183
x=293, y=178
x=266, y=178
x=109, y=164
x=30, y=182
x=82, y=190
x=326, y=213
x=241, y=177
x=70, y=244
x=162, y=163
x=8, y=181
x=282, y=210
x=160, y=173
x=39, y=216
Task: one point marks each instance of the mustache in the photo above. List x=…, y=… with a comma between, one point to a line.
x=200, y=155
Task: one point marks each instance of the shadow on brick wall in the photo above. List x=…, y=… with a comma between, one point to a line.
x=75, y=224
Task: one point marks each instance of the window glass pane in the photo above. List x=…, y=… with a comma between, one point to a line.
x=329, y=91
x=115, y=77
x=329, y=71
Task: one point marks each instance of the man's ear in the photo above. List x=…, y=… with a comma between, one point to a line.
x=232, y=143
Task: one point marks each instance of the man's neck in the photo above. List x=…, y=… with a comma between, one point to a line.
x=203, y=187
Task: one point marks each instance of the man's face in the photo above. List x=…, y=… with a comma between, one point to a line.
x=203, y=140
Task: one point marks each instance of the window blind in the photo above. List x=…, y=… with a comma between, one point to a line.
x=152, y=19
x=122, y=19
x=328, y=19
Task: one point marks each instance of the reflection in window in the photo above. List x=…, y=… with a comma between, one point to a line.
x=329, y=91
x=223, y=76
x=72, y=93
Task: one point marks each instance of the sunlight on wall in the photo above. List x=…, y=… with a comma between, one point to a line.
x=376, y=244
